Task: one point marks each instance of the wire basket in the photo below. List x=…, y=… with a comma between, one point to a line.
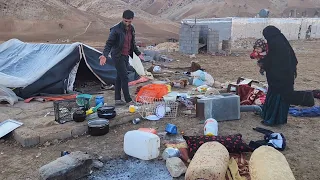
x=64, y=109
x=148, y=106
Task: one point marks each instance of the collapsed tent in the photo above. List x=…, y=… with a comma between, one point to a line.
x=32, y=69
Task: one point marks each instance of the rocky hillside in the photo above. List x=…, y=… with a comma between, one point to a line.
x=156, y=20
x=75, y=20
x=179, y=9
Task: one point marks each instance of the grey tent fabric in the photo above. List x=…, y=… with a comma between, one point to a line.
x=37, y=68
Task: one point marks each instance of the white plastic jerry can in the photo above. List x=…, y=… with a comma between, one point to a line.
x=141, y=145
x=210, y=127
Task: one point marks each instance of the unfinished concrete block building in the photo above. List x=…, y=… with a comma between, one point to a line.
x=195, y=37
x=210, y=33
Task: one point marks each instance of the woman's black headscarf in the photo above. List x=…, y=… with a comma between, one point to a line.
x=280, y=62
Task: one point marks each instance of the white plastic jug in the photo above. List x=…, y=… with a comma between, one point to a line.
x=211, y=127
x=142, y=145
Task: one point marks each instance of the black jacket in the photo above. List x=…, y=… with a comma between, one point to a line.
x=115, y=42
x=280, y=63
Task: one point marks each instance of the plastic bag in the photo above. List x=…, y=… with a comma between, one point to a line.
x=7, y=95
x=202, y=78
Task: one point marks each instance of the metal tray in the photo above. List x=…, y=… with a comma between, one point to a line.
x=7, y=126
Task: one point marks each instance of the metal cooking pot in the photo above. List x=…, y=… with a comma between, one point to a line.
x=106, y=109
x=98, y=127
x=109, y=115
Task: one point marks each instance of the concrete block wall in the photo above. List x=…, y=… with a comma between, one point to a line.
x=189, y=39
x=222, y=25
x=213, y=41
x=292, y=28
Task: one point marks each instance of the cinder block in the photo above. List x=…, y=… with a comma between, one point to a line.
x=26, y=137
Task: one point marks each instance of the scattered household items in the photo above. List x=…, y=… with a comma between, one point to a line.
x=153, y=108
x=107, y=115
x=302, y=98
x=152, y=118
x=8, y=126
x=34, y=73
x=305, y=112
x=186, y=102
x=267, y=163
x=141, y=145
x=99, y=99
x=201, y=78
x=171, y=129
x=136, y=121
x=93, y=109
x=250, y=96
x=176, y=167
x=149, y=130
x=79, y=115
x=170, y=152
x=151, y=92
x=251, y=108
x=169, y=97
x=83, y=100
x=221, y=107
x=132, y=108
x=275, y=140
x=179, y=84
x=156, y=69
x=98, y=127
x=210, y=127
x=52, y=97
x=8, y=96
x=238, y=167
x=233, y=143
x=64, y=109
x=135, y=62
x=210, y=162
x=233, y=87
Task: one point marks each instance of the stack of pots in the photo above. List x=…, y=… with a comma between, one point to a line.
x=99, y=127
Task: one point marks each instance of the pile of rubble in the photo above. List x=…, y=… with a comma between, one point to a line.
x=165, y=47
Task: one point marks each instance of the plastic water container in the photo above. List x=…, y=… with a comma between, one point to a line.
x=141, y=145
x=210, y=127
x=99, y=99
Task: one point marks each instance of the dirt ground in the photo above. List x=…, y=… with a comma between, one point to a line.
x=303, y=146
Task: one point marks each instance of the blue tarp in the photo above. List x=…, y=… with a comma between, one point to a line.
x=305, y=112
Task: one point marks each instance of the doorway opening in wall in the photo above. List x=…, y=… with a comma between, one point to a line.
x=202, y=45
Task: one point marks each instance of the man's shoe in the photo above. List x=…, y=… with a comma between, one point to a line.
x=131, y=103
x=119, y=103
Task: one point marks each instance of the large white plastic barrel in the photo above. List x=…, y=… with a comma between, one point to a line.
x=210, y=127
x=141, y=145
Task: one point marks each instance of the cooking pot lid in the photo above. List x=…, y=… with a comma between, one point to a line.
x=98, y=123
x=106, y=108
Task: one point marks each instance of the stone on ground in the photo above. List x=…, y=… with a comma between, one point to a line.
x=72, y=166
x=175, y=166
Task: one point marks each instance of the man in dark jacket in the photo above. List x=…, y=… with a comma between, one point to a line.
x=121, y=43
